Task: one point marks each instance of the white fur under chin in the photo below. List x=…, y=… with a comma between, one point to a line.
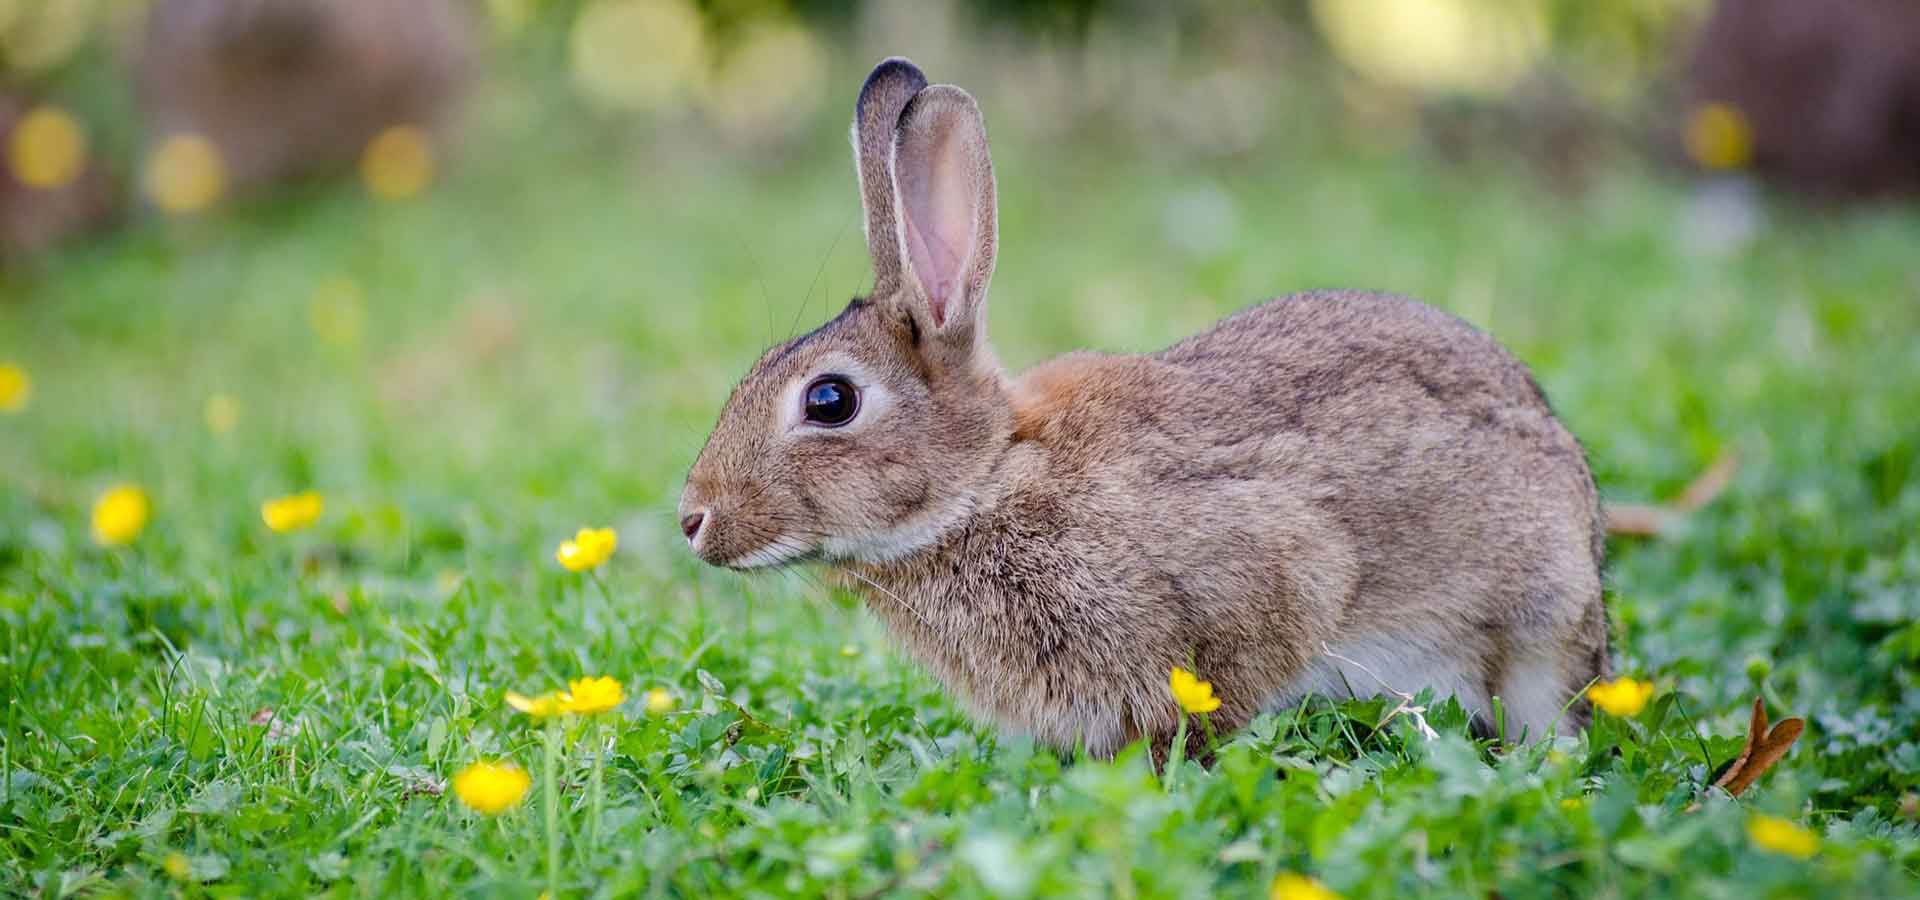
x=915, y=533
x=779, y=550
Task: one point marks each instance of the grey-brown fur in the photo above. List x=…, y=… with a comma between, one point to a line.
x=296, y=88
x=1339, y=470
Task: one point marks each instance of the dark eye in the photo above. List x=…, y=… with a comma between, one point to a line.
x=832, y=401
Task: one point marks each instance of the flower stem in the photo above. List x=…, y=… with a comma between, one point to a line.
x=606, y=594
x=1175, y=751
x=551, y=782
x=594, y=791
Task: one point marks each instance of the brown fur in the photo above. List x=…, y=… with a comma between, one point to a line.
x=1333, y=469
x=1830, y=90
x=296, y=88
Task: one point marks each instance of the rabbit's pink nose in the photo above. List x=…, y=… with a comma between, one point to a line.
x=690, y=524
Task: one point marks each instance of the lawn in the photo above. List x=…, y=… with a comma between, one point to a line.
x=541, y=343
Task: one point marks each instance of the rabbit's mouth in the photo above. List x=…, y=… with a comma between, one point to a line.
x=733, y=543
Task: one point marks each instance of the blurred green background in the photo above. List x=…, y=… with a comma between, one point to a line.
x=523, y=319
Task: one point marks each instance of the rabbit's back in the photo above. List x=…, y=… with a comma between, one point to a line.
x=1472, y=513
x=1324, y=478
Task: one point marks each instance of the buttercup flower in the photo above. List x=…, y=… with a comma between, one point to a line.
x=589, y=548
x=491, y=788
x=292, y=512
x=1623, y=697
x=120, y=515
x=660, y=701
x=1193, y=695
x=1777, y=835
x=178, y=867
x=540, y=707
x=587, y=696
x=15, y=388
x=1294, y=886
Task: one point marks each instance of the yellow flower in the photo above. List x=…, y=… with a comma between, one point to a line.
x=178, y=867
x=547, y=704
x=1194, y=695
x=1777, y=835
x=1623, y=697
x=48, y=149
x=293, y=512
x=222, y=413
x=1294, y=886
x=587, y=696
x=660, y=701
x=491, y=788
x=16, y=388
x=1718, y=137
x=185, y=174
x=120, y=515
x=398, y=163
x=589, y=548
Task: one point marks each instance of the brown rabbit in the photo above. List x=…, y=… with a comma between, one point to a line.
x=1831, y=91
x=1322, y=493
x=296, y=88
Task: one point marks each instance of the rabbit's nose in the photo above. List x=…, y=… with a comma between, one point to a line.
x=691, y=522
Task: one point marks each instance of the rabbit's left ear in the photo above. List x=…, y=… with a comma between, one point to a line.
x=876, y=119
x=943, y=191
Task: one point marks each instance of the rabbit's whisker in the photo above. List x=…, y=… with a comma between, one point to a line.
x=896, y=597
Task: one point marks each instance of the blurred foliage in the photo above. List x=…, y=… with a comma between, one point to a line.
x=1613, y=47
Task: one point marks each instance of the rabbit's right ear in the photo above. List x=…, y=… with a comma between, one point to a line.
x=893, y=82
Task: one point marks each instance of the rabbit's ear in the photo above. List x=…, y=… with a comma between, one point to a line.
x=943, y=185
x=875, y=116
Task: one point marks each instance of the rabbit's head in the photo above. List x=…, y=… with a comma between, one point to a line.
x=871, y=436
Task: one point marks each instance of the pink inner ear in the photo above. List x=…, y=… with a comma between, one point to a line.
x=938, y=220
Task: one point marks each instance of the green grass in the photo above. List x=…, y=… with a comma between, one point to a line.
x=638, y=280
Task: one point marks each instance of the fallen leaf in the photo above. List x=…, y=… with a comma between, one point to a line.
x=1764, y=748
x=1650, y=520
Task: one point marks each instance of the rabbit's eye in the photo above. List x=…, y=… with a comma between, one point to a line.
x=832, y=401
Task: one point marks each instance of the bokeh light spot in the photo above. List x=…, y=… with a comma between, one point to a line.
x=1460, y=46
x=337, y=311
x=222, y=413
x=1718, y=137
x=48, y=149
x=636, y=54
x=398, y=163
x=771, y=85
x=185, y=174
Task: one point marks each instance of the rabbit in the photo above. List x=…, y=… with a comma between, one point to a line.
x=1330, y=493
x=1830, y=91
x=291, y=89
